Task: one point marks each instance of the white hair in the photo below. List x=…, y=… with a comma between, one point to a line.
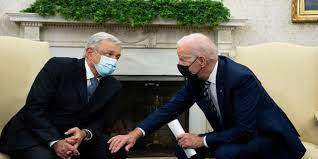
x=199, y=45
x=94, y=40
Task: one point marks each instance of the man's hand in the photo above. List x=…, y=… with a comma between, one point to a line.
x=77, y=137
x=117, y=142
x=190, y=141
x=64, y=150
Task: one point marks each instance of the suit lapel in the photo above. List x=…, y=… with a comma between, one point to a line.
x=104, y=93
x=82, y=81
x=99, y=90
x=220, y=86
x=206, y=108
x=223, y=93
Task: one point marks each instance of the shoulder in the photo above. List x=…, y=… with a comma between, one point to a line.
x=58, y=64
x=56, y=61
x=112, y=81
x=238, y=73
x=234, y=67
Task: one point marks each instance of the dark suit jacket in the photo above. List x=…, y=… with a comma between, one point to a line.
x=246, y=108
x=58, y=101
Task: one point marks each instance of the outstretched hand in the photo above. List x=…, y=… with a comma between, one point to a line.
x=129, y=140
x=117, y=142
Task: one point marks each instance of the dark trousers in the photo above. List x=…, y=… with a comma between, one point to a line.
x=258, y=148
x=95, y=149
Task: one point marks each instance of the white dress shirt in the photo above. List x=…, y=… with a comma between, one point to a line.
x=89, y=75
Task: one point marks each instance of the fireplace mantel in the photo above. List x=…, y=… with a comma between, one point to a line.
x=161, y=33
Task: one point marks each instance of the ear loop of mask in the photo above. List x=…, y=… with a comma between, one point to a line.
x=192, y=64
x=94, y=51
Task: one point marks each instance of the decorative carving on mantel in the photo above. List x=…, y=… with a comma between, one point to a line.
x=159, y=34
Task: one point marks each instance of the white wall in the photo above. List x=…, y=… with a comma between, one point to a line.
x=268, y=20
x=6, y=27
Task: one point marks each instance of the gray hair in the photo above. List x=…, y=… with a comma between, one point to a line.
x=199, y=45
x=94, y=40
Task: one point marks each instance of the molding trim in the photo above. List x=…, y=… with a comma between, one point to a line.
x=161, y=33
x=33, y=17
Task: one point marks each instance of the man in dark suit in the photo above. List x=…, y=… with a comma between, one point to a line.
x=246, y=121
x=67, y=107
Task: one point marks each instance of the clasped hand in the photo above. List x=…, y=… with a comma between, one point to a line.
x=68, y=147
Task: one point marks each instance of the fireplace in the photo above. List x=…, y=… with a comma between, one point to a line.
x=138, y=98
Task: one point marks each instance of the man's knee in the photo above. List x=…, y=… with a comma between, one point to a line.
x=37, y=152
x=99, y=149
x=201, y=153
x=180, y=154
x=229, y=151
x=121, y=154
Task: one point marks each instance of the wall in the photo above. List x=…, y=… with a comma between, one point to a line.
x=268, y=20
x=8, y=28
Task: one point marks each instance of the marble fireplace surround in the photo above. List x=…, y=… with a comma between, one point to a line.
x=149, y=52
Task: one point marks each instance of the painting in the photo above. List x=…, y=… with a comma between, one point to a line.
x=304, y=11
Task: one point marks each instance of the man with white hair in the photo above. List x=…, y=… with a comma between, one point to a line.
x=67, y=107
x=247, y=123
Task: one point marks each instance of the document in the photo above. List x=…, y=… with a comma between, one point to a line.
x=177, y=130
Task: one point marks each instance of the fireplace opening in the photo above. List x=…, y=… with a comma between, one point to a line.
x=137, y=100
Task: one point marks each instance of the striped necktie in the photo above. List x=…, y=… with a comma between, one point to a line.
x=208, y=99
x=92, y=87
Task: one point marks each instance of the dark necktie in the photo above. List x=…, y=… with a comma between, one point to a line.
x=208, y=99
x=92, y=87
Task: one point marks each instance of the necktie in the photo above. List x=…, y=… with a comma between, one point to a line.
x=208, y=99
x=92, y=87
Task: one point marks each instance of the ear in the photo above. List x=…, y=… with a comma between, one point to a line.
x=202, y=61
x=89, y=52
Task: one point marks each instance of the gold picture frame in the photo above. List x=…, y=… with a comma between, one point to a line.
x=304, y=11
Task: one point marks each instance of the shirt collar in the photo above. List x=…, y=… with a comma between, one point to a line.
x=89, y=73
x=212, y=77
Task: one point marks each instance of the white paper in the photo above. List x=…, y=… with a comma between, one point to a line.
x=177, y=130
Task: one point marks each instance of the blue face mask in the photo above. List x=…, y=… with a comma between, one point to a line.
x=106, y=66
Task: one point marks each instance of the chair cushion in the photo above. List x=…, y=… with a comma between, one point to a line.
x=289, y=73
x=20, y=62
x=3, y=156
x=312, y=151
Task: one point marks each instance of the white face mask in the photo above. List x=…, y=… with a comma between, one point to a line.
x=106, y=66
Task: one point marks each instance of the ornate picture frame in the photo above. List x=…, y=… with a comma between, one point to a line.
x=304, y=11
